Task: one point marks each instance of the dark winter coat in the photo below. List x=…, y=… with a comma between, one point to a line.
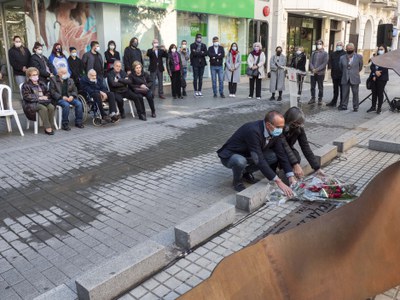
x=299, y=135
x=30, y=98
x=334, y=62
x=18, y=60
x=56, y=88
x=299, y=62
x=120, y=86
x=130, y=56
x=40, y=62
x=77, y=68
x=138, y=80
x=92, y=88
x=171, y=63
x=110, y=59
x=93, y=61
x=198, y=56
x=216, y=59
x=385, y=73
x=156, y=62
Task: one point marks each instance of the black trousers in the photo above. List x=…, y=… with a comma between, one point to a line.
x=132, y=96
x=378, y=87
x=198, y=72
x=176, y=83
x=232, y=87
x=320, y=80
x=111, y=102
x=150, y=99
x=337, y=88
x=258, y=86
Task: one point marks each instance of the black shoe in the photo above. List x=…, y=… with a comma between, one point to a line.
x=80, y=125
x=371, y=109
x=249, y=178
x=319, y=101
x=332, y=104
x=342, y=108
x=222, y=96
x=115, y=118
x=184, y=93
x=272, y=98
x=355, y=109
x=174, y=97
x=49, y=132
x=65, y=127
x=106, y=119
x=279, y=98
x=123, y=116
x=153, y=115
x=312, y=101
x=162, y=97
x=378, y=111
x=215, y=96
x=239, y=187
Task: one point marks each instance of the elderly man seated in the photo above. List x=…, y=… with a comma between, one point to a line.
x=95, y=88
x=118, y=82
x=258, y=146
x=64, y=93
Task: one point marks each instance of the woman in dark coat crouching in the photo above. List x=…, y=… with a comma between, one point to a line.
x=36, y=98
x=141, y=84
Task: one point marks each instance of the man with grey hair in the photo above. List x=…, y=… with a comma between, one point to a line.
x=351, y=65
x=336, y=73
x=318, y=61
x=156, y=67
x=94, y=86
x=64, y=93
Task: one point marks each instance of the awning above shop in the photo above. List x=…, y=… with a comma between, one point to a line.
x=239, y=9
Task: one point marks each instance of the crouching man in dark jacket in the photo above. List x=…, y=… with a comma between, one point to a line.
x=118, y=82
x=257, y=146
x=64, y=93
x=94, y=86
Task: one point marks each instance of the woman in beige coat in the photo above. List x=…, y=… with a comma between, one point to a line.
x=256, y=61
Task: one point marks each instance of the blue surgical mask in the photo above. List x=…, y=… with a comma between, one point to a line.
x=65, y=76
x=339, y=48
x=277, y=132
x=381, y=52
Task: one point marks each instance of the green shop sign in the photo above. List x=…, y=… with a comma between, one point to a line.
x=240, y=9
x=196, y=28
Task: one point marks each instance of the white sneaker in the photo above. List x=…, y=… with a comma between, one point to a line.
x=196, y=94
x=258, y=98
x=230, y=96
x=200, y=94
x=249, y=97
x=233, y=95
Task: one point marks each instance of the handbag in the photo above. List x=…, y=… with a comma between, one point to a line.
x=251, y=72
x=140, y=90
x=369, y=83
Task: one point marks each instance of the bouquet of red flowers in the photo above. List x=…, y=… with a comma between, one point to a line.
x=313, y=188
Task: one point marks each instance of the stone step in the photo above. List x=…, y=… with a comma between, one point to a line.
x=344, y=143
x=384, y=145
x=325, y=154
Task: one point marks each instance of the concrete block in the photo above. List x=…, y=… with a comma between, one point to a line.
x=116, y=276
x=253, y=197
x=307, y=169
x=201, y=226
x=344, y=143
x=325, y=154
x=384, y=146
x=61, y=292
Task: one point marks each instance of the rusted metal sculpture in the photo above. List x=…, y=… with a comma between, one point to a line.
x=351, y=253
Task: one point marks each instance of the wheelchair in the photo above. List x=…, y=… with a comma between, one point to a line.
x=90, y=108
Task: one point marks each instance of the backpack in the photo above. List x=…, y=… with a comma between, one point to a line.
x=395, y=104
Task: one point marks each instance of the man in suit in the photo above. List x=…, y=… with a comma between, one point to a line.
x=336, y=73
x=156, y=67
x=351, y=65
x=318, y=61
x=217, y=54
x=257, y=146
x=198, y=53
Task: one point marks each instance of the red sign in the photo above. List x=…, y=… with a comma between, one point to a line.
x=266, y=11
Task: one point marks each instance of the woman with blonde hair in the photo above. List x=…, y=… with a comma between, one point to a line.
x=36, y=98
x=256, y=61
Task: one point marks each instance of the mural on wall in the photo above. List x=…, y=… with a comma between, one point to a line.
x=70, y=23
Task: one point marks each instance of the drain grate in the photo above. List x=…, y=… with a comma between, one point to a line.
x=308, y=211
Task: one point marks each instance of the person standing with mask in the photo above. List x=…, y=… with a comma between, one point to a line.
x=156, y=67
x=318, y=61
x=76, y=66
x=111, y=55
x=58, y=59
x=232, y=70
x=299, y=63
x=40, y=62
x=131, y=54
x=336, y=73
x=379, y=76
x=277, y=81
x=184, y=52
x=198, y=53
x=256, y=61
x=217, y=54
x=19, y=59
x=351, y=65
x=92, y=60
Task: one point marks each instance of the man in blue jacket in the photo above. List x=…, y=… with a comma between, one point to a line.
x=217, y=54
x=95, y=88
x=257, y=146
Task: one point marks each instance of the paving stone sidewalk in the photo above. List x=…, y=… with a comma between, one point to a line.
x=70, y=201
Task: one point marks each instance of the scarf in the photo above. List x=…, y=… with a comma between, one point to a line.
x=255, y=53
x=175, y=56
x=234, y=53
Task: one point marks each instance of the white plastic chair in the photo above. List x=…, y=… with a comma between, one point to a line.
x=38, y=121
x=9, y=112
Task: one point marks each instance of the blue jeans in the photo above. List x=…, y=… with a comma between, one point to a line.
x=240, y=164
x=65, y=111
x=217, y=71
x=198, y=73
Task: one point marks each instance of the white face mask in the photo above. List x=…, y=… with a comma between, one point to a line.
x=74, y=54
x=257, y=48
x=112, y=47
x=234, y=48
x=184, y=46
x=319, y=47
x=339, y=48
x=173, y=50
x=155, y=45
x=97, y=49
x=39, y=52
x=34, y=78
x=216, y=44
x=381, y=52
x=298, y=52
x=93, y=80
x=65, y=76
x=18, y=44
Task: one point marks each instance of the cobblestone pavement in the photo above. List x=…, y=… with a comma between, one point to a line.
x=70, y=201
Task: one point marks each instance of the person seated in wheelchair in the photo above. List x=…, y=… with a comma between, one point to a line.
x=36, y=98
x=95, y=88
x=118, y=82
x=64, y=93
